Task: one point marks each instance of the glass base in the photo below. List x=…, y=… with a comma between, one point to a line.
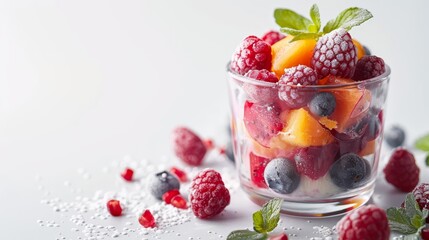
x=317, y=209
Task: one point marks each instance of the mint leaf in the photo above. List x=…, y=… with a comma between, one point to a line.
x=303, y=36
x=348, y=19
x=427, y=160
x=398, y=221
x=412, y=207
x=246, y=234
x=266, y=219
x=315, y=17
x=423, y=143
x=290, y=19
x=292, y=31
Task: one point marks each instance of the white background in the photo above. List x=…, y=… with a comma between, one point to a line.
x=83, y=83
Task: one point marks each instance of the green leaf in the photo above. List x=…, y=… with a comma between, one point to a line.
x=348, y=19
x=246, y=234
x=423, y=143
x=427, y=160
x=290, y=19
x=315, y=17
x=399, y=221
x=412, y=207
x=292, y=31
x=266, y=219
x=303, y=36
x=425, y=213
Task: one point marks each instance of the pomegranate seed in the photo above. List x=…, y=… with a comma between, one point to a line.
x=147, y=220
x=209, y=144
x=179, y=202
x=169, y=195
x=425, y=233
x=222, y=150
x=114, y=208
x=279, y=237
x=127, y=174
x=180, y=174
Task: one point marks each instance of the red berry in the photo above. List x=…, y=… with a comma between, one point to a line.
x=258, y=93
x=127, y=174
x=402, y=170
x=114, y=208
x=209, y=144
x=147, y=220
x=367, y=222
x=252, y=53
x=169, y=195
x=272, y=37
x=257, y=168
x=425, y=233
x=188, y=146
x=180, y=174
x=262, y=121
x=335, y=54
x=179, y=202
x=421, y=194
x=209, y=196
x=282, y=236
x=369, y=67
x=315, y=162
x=291, y=92
x=222, y=150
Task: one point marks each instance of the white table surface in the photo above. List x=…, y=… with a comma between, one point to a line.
x=86, y=83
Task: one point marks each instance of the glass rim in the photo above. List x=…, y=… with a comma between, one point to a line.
x=383, y=77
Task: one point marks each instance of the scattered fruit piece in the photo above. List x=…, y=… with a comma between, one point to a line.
x=425, y=233
x=314, y=162
x=257, y=167
x=261, y=94
x=367, y=222
x=302, y=130
x=350, y=171
x=402, y=171
x=163, y=182
x=188, y=146
x=262, y=122
x=147, y=220
x=127, y=174
x=272, y=37
x=291, y=92
x=179, y=202
x=394, y=136
x=167, y=196
x=369, y=67
x=360, y=50
x=209, y=143
x=114, y=207
x=222, y=150
x=335, y=54
x=282, y=236
x=421, y=194
x=288, y=54
x=323, y=104
x=252, y=53
x=281, y=176
x=180, y=174
x=209, y=196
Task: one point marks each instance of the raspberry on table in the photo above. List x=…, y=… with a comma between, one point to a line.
x=208, y=196
x=290, y=92
x=421, y=194
x=261, y=94
x=272, y=37
x=369, y=67
x=335, y=54
x=402, y=171
x=188, y=146
x=367, y=222
x=252, y=53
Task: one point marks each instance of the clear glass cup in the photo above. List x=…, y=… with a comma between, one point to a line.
x=312, y=171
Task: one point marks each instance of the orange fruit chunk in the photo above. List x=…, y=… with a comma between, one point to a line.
x=328, y=123
x=368, y=149
x=359, y=49
x=286, y=54
x=302, y=130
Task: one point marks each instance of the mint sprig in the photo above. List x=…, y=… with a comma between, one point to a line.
x=301, y=27
x=423, y=143
x=409, y=220
x=427, y=160
x=264, y=221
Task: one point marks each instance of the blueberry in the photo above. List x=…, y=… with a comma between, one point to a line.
x=395, y=136
x=281, y=176
x=163, y=182
x=350, y=171
x=367, y=51
x=323, y=104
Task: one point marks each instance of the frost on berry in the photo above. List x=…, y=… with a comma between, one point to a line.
x=252, y=53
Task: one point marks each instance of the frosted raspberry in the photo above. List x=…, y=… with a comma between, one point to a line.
x=335, y=54
x=252, y=53
x=261, y=94
x=367, y=222
x=272, y=37
x=188, y=146
x=369, y=67
x=209, y=196
x=291, y=92
x=402, y=170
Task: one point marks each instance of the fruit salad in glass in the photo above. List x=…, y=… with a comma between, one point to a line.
x=307, y=113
